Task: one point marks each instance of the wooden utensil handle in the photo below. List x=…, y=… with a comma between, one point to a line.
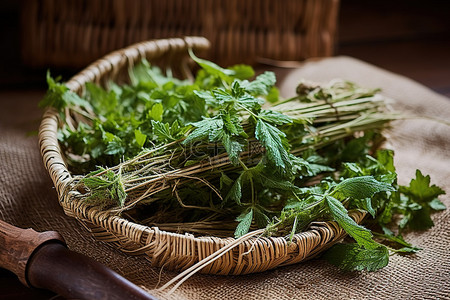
x=76, y=276
x=18, y=245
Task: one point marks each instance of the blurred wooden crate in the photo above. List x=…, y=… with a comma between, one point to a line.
x=74, y=33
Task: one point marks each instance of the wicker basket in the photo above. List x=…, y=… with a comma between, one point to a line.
x=171, y=250
x=75, y=33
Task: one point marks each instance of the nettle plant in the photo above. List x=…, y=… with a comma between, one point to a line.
x=223, y=155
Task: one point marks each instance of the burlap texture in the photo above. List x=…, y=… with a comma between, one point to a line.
x=27, y=199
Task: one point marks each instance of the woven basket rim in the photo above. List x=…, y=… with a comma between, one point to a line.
x=138, y=239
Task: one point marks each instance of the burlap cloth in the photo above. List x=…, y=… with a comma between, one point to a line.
x=27, y=199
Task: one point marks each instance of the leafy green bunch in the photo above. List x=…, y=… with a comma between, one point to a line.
x=223, y=155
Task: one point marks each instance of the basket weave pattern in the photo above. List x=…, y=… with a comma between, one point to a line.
x=171, y=250
x=241, y=31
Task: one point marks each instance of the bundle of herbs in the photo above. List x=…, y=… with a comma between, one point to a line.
x=223, y=155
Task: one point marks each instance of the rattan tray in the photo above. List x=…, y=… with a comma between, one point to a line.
x=168, y=249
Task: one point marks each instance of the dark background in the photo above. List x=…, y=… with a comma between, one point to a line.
x=408, y=37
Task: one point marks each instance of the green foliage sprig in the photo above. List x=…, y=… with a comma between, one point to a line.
x=222, y=155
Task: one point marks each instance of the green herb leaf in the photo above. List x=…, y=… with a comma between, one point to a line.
x=140, y=137
x=361, y=187
x=417, y=202
x=261, y=85
x=156, y=112
x=245, y=221
x=233, y=148
x=212, y=68
x=273, y=141
x=242, y=72
x=351, y=257
x=274, y=117
x=235, y=193
x=210, y=129
x=420, y=189
x=362, y=235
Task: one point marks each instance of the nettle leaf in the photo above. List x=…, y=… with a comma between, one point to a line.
x=366, y=204
x=245, y=221
x=273, y=141
x=273, y=95
x=156, y=113
x=250, y=102
x=261, y=85
x=242, y=72
x=59, y=96
x=270, y=180
x=418, y=200
x=420, y=189
x=210, y=129
x=168, y=133
x=386, y=159
x=233, y=147
x=361, y=187
x=261, y=219
x=222, y=96
x=362, y=235
x=274, y=117
x=353, y=257
x=106, y=189
x=212, y=68
x=235, y=192
x=103, y=101
x=162, y=131
x=233, y=124
x=140, y=137
x=208, y=96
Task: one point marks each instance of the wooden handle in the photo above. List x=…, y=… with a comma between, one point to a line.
x=18, y=245
x=42, y=260
x=76, y=276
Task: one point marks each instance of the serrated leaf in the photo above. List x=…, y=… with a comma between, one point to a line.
x=245, y=221
x=210, y=129
x=232, y=123
x=274, y=182
x=362, y=235
x=420, y=189
x=162, y=131
x=207, y=96
x=351, y=257
x=361, y=187
x=59, y=96
x=233, y=147
x=235, y=193
x=420, y=219
x=273, y=139
x=261, y=219
x=274, y=117
x=261, y=85
x=366, y=204
x=222, y=96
